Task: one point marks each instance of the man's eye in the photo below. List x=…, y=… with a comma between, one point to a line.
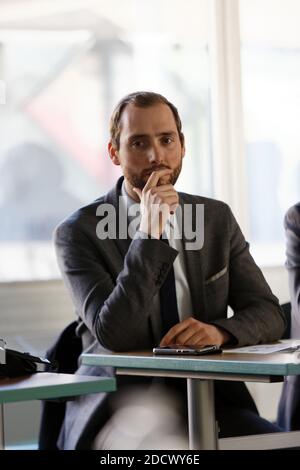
x=138, y=144
x=167, y=140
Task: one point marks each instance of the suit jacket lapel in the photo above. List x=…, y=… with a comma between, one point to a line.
x=113, y=198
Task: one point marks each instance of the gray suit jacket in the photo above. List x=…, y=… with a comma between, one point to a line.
x=112, y=283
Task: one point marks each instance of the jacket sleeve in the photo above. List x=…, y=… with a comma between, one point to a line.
x=257, y=317
x=292, y=230
x=115, y=307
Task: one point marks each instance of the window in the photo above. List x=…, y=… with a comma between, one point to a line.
x=65, y=66
x=271, y=75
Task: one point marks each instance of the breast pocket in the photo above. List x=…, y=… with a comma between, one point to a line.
x=216, y=276
x=216, y=289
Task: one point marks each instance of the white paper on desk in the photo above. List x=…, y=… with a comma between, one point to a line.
x=262, y=348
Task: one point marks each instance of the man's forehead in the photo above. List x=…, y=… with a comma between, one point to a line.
x=154, y=118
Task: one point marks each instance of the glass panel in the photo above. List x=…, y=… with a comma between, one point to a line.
x=65, y=66
x=271, y=76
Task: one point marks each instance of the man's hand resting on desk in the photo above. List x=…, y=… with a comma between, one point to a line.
x=192, y=332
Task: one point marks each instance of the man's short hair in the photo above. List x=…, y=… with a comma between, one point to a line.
x=141, y=99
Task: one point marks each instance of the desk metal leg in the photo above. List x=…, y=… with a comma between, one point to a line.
x=2, y=442
x=201, y=409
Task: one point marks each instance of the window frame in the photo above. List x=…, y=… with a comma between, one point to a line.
x=228, y=136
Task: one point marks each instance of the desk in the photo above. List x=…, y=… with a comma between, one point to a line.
x=200, y=373
x=46, y=385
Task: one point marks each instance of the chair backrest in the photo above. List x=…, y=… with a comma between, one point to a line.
x=287, y=312
x=65, y=352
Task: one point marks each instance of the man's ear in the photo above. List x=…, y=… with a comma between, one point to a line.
x=114, y=154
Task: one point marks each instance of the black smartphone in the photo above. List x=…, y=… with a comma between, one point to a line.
x=178, y=350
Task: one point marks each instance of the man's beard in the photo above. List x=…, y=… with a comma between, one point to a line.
x=138, y=180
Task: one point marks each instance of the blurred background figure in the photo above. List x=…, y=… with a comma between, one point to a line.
x=33, y=199
x=146, y=418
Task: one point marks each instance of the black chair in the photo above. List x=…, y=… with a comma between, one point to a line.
x=65, y=353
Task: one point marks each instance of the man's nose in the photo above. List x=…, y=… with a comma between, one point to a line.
x=155, y=155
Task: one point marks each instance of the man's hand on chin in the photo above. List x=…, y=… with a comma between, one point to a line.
x=157, y=202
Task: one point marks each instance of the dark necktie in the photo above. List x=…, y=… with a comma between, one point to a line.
x=168, y=300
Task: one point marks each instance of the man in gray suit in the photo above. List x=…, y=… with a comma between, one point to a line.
x=118, y=282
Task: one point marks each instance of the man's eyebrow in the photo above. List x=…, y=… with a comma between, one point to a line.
x=142, y=136
x=137, y=136
x=173, y=133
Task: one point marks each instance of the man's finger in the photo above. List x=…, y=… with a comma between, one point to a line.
x=165, y=196
x=170, y=337
x=185, y=337
x=155, y=176
x=197, y=339
x=163, y=188
x=173, y=332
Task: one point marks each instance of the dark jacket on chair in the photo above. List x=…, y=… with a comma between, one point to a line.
x=289, y=405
